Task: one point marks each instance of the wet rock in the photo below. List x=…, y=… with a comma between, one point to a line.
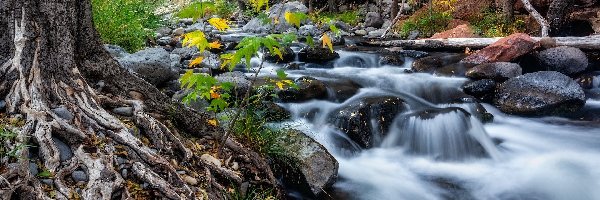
x=482, y=89
x=413, y=53
x=163, y=41
x=308, y=88
x=124, y=173
x=63, y=112
x=212, y=61
x=355, y=119
x=65, y=152
x=79, y=176
x=375, y=34
x=292, y=66
x=287, y=55
x=115, y=51
x=587, y=81
x=124, y=111
x=340, y=90
x=391, y=60
x=317, y=55
x=374, y=20
x=306, y=165
x=433, y=62
x=504, y=50
x=498, y=71
x=153, y=65
x=273, y=112
x=540, y=93
x=566, y=60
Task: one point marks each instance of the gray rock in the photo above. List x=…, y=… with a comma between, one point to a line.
x=2, y=105
x=189, y=180
x=186, y=21
x=186, y=53
x=311, y=30
x=201, y=26
x=395, y=60
x=124, y=111
x=164, y=31
x=540, y=93
x=63, y=112
x=308, y=88
x=361, y=32
x=435, y=62
x=566, y=60
x=375, y=34
x=336, y=39
x=115, y=51
x=374, y=20
x=313, y=169
x=256, y=25
x=48, y=182
x=355, y=118
x=498, y=71
x=163, y=41
x=412, y=35
x=33, y=168
x=178, y=31
x=79, y=176
x=153, y=65
x=124, y=173
x=239, y=80
x=317, y=55
x=64, y=150
x=211, y=60
x=175, y=61
x=276, y=11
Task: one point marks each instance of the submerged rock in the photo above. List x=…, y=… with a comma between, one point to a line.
x=306, y=165
x=482, y=89
x=433, y=62
x=540, y=93
x=367, y=120
x=566, y=60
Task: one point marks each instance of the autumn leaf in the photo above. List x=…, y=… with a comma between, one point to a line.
x=215, y=45
x=214, y=94
x=196, y=61
x=327, y=42
x=195, y=39
x=277, y=52
x=294, y=18
x=213, y=122
x=219, y=23
x=279, y=85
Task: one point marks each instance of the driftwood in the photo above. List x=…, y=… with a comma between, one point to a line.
x=587, y=43
x=536, y=15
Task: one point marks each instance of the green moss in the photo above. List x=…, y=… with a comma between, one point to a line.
x=127, y=23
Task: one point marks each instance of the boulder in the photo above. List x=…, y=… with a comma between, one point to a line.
x=373, y=19
x=311, y=30
x=115, y=51
x=317, y=55
x=498, y=71
x=566, y=60
x=308, y=88
x=186, y=53
x=395, y=60
x=240, y=82
x=305, y=164
x=433, y=62
x=287, y=53
x=340, y=90
x=504, y=50
x=540, y=93
x=482, y=89
x=355, y=118
x=153, y=65
x=461, y=31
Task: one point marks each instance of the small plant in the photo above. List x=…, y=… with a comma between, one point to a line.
x=427, y=25
x=9, y=146
x=197, y=10
x=127, y=23
x=224, y=8
x=492, y=24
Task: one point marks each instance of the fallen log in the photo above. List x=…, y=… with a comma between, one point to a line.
x=586, y=43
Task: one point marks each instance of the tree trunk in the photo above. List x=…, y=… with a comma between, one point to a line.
x=50, y=56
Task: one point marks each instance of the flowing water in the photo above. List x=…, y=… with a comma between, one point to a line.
x=439, y=149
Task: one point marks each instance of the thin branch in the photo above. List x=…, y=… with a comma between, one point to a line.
x=536, y=15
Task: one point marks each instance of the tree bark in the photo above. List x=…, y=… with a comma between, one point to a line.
x=50, y=56
x=587, y=43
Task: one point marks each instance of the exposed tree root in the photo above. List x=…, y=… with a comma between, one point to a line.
x=41, y=73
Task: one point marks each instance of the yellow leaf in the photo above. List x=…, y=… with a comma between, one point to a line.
x=212, y=122
x=279, y=85
x=327, y=42
x=196, y=61
x=219, y=23
x=214, y=93
x=292, y=19
x=278, y=53
x=214, y=45
x=195, y=39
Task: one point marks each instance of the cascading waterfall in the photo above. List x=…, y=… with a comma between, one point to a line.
x=438, y=150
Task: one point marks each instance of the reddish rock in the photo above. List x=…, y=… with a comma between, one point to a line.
x=504, y=50
x=462, y=31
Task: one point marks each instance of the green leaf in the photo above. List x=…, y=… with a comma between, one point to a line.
x=45, y=174
x=281, y=74
x=310, y=41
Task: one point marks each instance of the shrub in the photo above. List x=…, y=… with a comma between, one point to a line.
x=197, y=10
x=427, y=24
x=127, y=23
x=492, y=24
